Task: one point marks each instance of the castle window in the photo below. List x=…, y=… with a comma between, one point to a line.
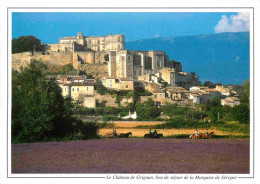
x=111, y=85
x=126, y=86
x=65, y=89
x=123, y=57
x=77, y=89
x=87, y=88
x=129, y=57
x=155, y=95
x=160, y=95
x=72, y=89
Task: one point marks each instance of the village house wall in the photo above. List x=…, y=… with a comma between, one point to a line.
x=145, y=78
x=110, y=83
x=76, y=91
x=126, y=84
x=89, y=102
x=159, y=98
x=65, y=90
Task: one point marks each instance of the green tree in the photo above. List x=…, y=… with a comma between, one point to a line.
x=241, y=113
x=67, y=69
x=247, y=88
x=147, y=110
x=219, y=84
x=39, y=111
x=245, y=94
x=26, y=43
x=101, y=89
x=209, y=84
x=153, y=112
x=214, y=102
x=216, y=113
x=227, y=114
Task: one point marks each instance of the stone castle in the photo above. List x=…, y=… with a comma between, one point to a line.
x=111, y=49
x=106, y=53
x=89, y=43
x=107, y=57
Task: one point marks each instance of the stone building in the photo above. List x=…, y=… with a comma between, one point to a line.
x=158, y=93
x=118, y=84
x=76, y=90
x=110, y=49
x=213, y=92
x=230, y=101
x=149, y=78
x=200, y=97
x=89, y=102
x=225, y=91
x=107, y=57
x=89, y=43
x=179, y=79
x=131, y=64
x=177, y=93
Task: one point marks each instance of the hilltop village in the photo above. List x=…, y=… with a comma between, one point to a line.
x=105, y=61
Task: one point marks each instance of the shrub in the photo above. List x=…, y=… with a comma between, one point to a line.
x=241, y=113
x=106, y=125
x=99, y=111
x=90, y=130
x=181, y=123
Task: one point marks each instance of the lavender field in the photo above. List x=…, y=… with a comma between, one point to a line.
x=133, y=156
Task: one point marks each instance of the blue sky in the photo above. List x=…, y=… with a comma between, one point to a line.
x=49, y=27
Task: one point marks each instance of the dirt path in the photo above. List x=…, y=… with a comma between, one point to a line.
x=166, y=132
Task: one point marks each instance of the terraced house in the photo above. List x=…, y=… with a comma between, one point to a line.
x=118, y=84
x=76, y=90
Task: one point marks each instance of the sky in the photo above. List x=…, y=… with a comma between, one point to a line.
x=49, y=27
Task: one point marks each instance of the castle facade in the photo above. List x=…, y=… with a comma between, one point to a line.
x=110, y=50
x=89, y=43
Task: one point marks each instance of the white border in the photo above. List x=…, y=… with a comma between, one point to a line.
x=182, y=3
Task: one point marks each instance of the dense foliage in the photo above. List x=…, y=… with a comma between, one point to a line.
x=147, y=110
x=101, y=89
x=182, y=123
x=209, y=84
x=39, y=111
x=67, y=70
x=26, y=43
x=241, y=113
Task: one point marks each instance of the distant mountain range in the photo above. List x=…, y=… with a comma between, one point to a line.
x=222, y=57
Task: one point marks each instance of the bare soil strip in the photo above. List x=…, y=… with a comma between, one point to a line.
x=166, y=132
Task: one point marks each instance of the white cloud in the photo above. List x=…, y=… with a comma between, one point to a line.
x=235, y=23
